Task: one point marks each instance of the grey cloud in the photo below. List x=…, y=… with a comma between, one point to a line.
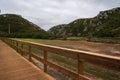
x=47, y=13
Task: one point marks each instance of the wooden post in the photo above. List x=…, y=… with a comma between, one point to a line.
x=17, y=46
x=11, y=43
x=30, y=53
x=22, y=49
x=45, y=61
x=80, y=67
x=14, y=44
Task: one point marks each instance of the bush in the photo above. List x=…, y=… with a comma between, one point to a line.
x=36, y=35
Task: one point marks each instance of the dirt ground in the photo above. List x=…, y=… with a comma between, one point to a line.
x=100, y=48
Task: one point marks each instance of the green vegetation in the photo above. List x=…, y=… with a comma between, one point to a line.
x=96, y=39
x=105, y=24
x=105, y=27
x=15, y=26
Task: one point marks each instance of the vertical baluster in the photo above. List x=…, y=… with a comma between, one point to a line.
x=29, y=52
x=17, y=45
x=11, y=42
x=22, y=49
x=45, y=61
x=80, y=68
x=14, y=44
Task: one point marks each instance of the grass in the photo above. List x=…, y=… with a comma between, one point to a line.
x=61, y=60
x=95, y=39
x=90, y=70
x=106, y=40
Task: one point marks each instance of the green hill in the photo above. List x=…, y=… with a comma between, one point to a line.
x=12, y=25
x=17, y=24
x=105, y=24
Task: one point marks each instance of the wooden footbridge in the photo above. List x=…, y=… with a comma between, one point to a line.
x=13, y=66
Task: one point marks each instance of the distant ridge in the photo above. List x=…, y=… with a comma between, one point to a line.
x=105, y=24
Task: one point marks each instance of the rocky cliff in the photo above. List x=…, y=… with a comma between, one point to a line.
x=105, y=24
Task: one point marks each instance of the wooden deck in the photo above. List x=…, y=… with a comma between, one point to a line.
x=15, y=67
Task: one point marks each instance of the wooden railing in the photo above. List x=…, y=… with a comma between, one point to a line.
x=81, y=57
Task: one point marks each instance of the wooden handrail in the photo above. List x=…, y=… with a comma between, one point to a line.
x=110, y=62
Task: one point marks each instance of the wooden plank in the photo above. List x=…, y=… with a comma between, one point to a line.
x=67, y=72
x=80, y=67
x=15, y=67
x=21, y=49
x=14, y=45
x=107, y=62
x=37, y=57
x=93, y=58
x=25, y=52
x=17, y=45
x=56, y=50
x=45, y=61
x=30, y=53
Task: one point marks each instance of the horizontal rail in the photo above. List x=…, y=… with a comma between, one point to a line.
x=94, y=58
x=110, y=62
x=37, y=57
x=68, y=72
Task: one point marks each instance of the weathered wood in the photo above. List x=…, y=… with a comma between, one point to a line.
x=13, y=44
x=22, y=49
x=45, y=61
x=15, y=67
x=80, y=66
x=94, y=58
x=25, y=51
x=80, y=69
x=105, y=61
x=56, y=50
x=17, y=45
x=67, y=72
x=37, y=57
x=82, y=56
x=30, y=53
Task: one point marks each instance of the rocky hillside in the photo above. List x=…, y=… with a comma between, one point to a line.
x=105, y=24
x=58, y=30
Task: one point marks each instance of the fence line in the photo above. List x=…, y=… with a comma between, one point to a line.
x=81, y=57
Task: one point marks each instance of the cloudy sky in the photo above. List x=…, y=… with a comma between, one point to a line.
x=47, y=13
